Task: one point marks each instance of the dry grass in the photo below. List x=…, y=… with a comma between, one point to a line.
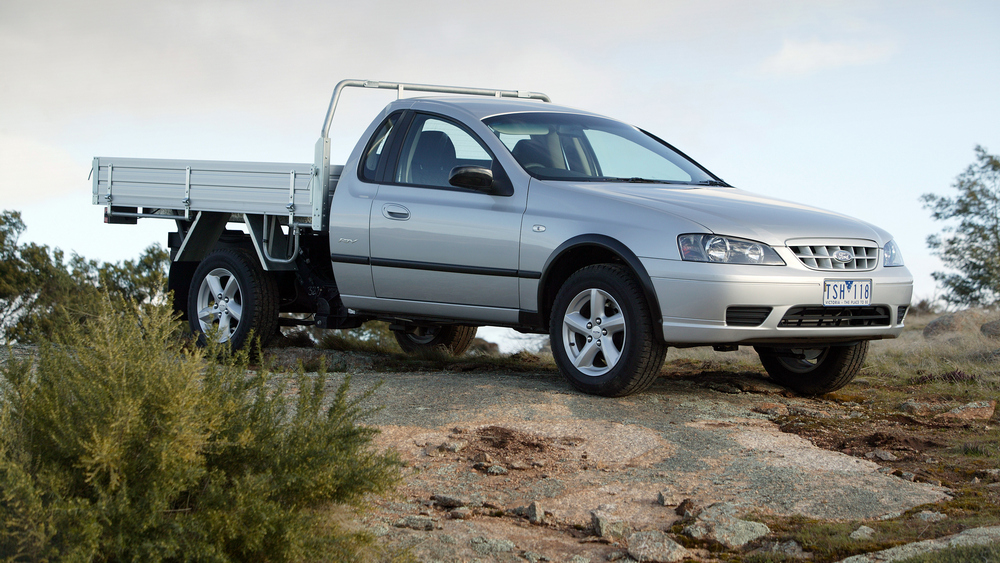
x=911, y=356
x=944, y=371
x=964, y=554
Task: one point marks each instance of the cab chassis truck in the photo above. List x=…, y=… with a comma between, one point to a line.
x=497, y=207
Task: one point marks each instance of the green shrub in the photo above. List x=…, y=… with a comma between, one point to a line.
x=123, y=443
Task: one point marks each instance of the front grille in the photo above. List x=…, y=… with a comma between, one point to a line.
x=816, y=316
x=821, y=257
x=900, y=315
x=747, y=316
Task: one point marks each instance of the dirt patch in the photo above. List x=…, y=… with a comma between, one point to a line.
x=899, y=442
x=895, y=440
x=514, y=447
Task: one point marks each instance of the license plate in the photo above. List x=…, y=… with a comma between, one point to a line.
x=845, y=293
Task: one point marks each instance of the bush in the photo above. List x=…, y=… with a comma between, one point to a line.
x=124, y=444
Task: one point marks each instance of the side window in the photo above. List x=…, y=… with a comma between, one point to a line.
x=376, y=148
x=433, y=147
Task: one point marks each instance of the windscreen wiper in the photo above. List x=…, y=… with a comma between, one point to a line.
x=635, y=180
x=714, y=183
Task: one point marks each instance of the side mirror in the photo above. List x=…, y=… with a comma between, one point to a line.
x=472, y=177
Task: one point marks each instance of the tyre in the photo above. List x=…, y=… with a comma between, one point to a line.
x=232, y=296
x=602, y=333
x=450, y=339
x=814, y=371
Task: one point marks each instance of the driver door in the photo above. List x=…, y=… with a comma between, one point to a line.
x=433, y=242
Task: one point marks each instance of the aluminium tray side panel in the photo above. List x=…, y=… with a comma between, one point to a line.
x=224, y=186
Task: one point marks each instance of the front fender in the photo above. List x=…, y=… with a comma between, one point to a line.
x=584, y=250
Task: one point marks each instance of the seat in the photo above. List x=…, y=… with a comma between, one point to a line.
x=433, y=159
x=530, y=153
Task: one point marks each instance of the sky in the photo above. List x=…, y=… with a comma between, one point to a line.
x=853, y=106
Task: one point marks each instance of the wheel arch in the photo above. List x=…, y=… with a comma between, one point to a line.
x=585, y=250
x=181, y=272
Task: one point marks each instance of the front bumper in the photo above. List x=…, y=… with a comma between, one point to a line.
x=695, y=296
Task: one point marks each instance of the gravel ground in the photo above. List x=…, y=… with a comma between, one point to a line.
x=572, y=454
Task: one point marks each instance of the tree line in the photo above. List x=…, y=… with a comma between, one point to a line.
x=41, y=289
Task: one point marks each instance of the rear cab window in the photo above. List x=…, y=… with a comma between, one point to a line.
x=375, y=152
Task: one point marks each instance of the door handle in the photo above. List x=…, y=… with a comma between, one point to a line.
x=395, y=212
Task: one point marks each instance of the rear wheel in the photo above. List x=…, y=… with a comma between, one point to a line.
x=450, y=339
x=814, y=371
x=231, y=296
x=602, y=333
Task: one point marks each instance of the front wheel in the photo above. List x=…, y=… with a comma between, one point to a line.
x=450, y=339
x=232, y=296
x=814, y=371
x=602, y=333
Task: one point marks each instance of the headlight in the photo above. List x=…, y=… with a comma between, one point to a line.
x=726, y=250
x=891, y=255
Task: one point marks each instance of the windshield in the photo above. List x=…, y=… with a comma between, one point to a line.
x=560, y=146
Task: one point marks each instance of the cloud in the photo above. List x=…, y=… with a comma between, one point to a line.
x=804, y=57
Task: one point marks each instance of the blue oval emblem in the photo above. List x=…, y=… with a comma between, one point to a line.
x=843, y=256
